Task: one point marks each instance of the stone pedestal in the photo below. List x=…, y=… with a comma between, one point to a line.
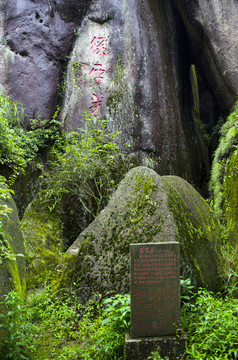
x=141, y=348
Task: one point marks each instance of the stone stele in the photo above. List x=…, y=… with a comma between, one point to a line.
x=155, y=289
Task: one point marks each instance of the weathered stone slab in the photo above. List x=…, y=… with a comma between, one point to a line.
x=155, y=289
x=167, y=346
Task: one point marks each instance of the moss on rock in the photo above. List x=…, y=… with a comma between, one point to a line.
x=224, y=179
x=230, y=193
x=198, y=233
x=43, y=232
x=145, y=208
x=230, y=205
x=13, y=271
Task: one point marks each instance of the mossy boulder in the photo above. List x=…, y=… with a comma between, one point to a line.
x=230, y=196
x=230, y=204
x=12, y=267
x=145, y=208
x=223, y=186
x=43, y=232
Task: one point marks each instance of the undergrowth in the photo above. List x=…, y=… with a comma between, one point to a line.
x=20, y=147
x=5, y=248
x=57, y=326
x=88, y=167
x=211, y=324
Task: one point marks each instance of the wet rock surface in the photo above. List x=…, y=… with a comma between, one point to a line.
x=212, y=27
x=39, y=36
x=129, y=66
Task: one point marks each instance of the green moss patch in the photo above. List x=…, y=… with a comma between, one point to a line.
x=43, y=232
x=198, y=232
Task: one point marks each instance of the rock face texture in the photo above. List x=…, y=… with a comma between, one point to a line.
x=145, y=208
x=3, y=49
x=12, y=272
x=127, y=66
x=212, y=28
x=38, y=36
x=44, y=240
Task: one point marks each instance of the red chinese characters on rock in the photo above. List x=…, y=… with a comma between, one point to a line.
x=96, y=103
x=97, y=72
x=98, y=45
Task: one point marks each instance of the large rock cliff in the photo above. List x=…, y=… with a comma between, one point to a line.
x=212, y=28
x=128, y=66
x=38, y=37
x=128, y=62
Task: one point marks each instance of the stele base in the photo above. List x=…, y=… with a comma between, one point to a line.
x=167, y=346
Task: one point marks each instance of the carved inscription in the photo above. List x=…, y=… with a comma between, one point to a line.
x=97, y=72
x=98, y=45
x=96, y=103
x=155, y=289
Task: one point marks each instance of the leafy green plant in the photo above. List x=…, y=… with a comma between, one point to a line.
x=14, y=328
x=106, y=341
x=62, y=328
x=117, y=317
x=54, y=318
x=58, y=326
x=88, y=167
x=7, y=254
x=211, y=323
x=186, y=289
x=6, y=251
x=156, y=356
x=19, y=147
x=11, y=152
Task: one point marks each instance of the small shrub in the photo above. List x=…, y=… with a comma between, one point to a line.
x=19, y=147
x=156, y=356
x=211, y=325
x=186, y=289
x=15, y=329
x=88, y=167
x=5, y=248
x=54, y=319
x=106, y=340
